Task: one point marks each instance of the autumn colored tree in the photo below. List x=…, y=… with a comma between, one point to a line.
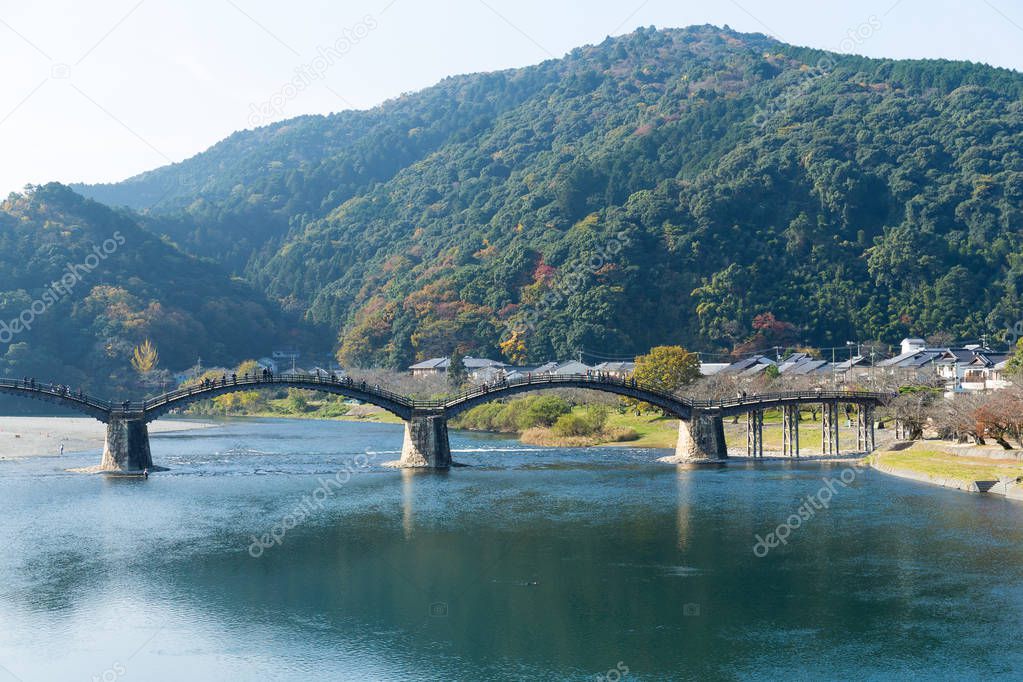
x=145, y=358
x=514, y=348
x=665, y=368
x=241, y=402
x=1001, y=417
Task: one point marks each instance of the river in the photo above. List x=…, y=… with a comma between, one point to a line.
x=278, y=549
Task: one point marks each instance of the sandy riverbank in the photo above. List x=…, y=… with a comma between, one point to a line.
x=34, y=436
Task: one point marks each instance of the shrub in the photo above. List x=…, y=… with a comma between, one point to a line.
x=297, y=403
x=543, y=410
x=486, y=417
x=623, y=435
x=585, y=422
x=334, y=409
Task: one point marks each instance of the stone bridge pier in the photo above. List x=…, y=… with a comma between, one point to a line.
x=127, y=446
x=426, y=442
x=701, y=438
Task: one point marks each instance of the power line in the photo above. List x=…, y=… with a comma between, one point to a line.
x=609, y=358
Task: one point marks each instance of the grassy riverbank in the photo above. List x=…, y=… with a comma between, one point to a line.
x=941, y=460
x=326, y=407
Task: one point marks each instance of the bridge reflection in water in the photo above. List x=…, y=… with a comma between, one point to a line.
x=701, y=426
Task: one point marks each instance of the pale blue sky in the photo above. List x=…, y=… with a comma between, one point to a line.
x=100, y=91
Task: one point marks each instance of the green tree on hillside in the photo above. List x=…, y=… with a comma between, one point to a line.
x=1014, y=365
x=457, y=373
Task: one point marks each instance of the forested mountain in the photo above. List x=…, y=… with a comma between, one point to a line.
x=664, y=186
x=81, y=285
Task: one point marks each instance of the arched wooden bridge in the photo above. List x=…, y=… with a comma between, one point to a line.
x=701, y=434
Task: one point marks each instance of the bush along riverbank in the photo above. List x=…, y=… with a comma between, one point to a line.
x=290, y=404
x=549, y=420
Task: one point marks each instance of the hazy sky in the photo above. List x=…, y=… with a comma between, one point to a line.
x=102, y=90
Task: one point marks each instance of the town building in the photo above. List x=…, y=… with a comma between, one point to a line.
x=621, y=370
x=476, y=368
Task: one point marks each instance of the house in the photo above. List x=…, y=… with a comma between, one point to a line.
x=917, y=358
x=572, y=367
x=523, y=372
x=711, y=368
x=851, y=363
x=620, y=370
x=801, y=364
x=545, y=368
x=912, y=344
x=749, y=366
x=808, y=366
x=794, y=360
x=477, y=368
x=287, y=359
x=985, y=372
x=967, y=368
x=430, y=367
x=321, y=373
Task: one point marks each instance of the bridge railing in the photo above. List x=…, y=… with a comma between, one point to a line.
x=781, y=396
x=552, y=380
x=611, y=380
x=56, y=390
x=258, y=381
x=539, y=380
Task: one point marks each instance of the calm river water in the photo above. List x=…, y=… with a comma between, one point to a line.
x=533, y=564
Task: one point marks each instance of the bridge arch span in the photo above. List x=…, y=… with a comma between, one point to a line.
x=758, y=402
x=65, y=397
x=154, y=408
x=673, y=405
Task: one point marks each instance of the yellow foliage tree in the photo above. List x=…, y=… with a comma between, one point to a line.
x=145, y=358
x=665, y=368
x=242, y=402
x=514, y=348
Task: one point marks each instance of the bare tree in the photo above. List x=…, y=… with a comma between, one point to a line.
x=956, y=418
x=1001, y=416
x=912, y=410
x=424, y=386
